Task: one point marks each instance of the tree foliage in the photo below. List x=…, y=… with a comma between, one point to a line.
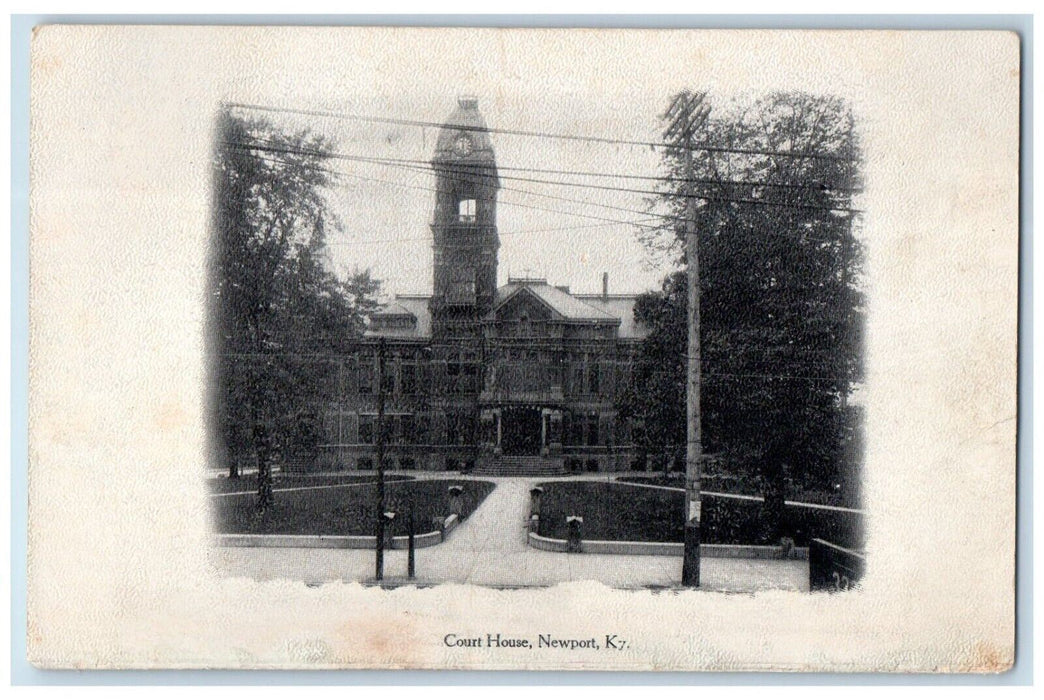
x=780, y=300
x=276, y=304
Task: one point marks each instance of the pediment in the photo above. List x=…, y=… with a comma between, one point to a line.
x=524, y=304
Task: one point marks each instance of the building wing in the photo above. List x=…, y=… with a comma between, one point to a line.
x=407, y=317
x=619, y=306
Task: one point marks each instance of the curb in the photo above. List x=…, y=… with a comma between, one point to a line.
x=427, y=539
x=717, y=551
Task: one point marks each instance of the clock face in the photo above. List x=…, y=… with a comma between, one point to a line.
x=463, y=145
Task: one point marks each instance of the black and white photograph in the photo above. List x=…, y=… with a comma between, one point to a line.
x=479, y=348
x=472, y=362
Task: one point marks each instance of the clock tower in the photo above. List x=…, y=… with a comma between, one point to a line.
x=464, y=224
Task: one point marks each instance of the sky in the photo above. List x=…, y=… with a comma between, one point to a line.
x=607, y=84
x=568, y=235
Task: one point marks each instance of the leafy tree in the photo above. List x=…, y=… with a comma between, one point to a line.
x=781, y=307
x=658, y=425
x=275, y=303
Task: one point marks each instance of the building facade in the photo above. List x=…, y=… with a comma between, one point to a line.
x=523, y=378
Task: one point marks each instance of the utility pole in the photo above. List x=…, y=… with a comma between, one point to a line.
x=411, y=555
x=477, y=389
x=688, y=113
x=380, y=459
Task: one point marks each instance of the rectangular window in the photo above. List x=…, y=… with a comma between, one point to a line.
x=463, y=292
x=422, y=423
x=470, y=378
x=423, y=378
x=332, y=425
x=467, y=428
x=409, y=431
x=366, y=376
x=592, y=429
x=467, y=211
x=350, y=377
x=408, y=380
x=461, y=377
x=593, y=376
x=367, y=430
x=452, y=429
x=462, y=288
x=460, y=429
x=574, y=379
x=576, y=429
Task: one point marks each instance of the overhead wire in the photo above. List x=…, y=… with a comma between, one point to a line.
x=478, y=168
x=542, y=134
x=509, y=203
x=646, y=223
x=478, y=175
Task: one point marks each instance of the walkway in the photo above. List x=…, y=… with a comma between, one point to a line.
x=489, y=548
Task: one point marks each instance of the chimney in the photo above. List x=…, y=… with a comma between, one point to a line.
x=605, y=286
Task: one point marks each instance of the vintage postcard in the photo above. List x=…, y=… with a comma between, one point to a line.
x=523, y=349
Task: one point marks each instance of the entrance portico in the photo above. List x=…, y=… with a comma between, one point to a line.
x=520, y=430
x=522, y=438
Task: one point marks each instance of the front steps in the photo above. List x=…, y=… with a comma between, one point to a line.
x=520, y=466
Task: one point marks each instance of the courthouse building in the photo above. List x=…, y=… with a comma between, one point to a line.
x=523, y=378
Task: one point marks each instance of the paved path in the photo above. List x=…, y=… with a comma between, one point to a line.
x=489, y=548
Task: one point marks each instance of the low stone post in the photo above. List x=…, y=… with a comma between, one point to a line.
x=534, y=500
x=389, y=520
x=575, y=524
x=534, y=524
x=456, y=499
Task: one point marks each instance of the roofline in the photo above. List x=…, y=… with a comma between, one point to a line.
x=518, y=289
x=615, y=320
x=524, y=285
x=607, y=321
x=414, y=340
x=633, y=295
x=525, y=280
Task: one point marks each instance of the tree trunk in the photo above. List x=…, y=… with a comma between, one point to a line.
x=774, y=483
x=264, y=470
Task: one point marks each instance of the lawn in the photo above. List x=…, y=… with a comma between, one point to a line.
x=347, y=511
x=618, y=511
x=285, y=481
